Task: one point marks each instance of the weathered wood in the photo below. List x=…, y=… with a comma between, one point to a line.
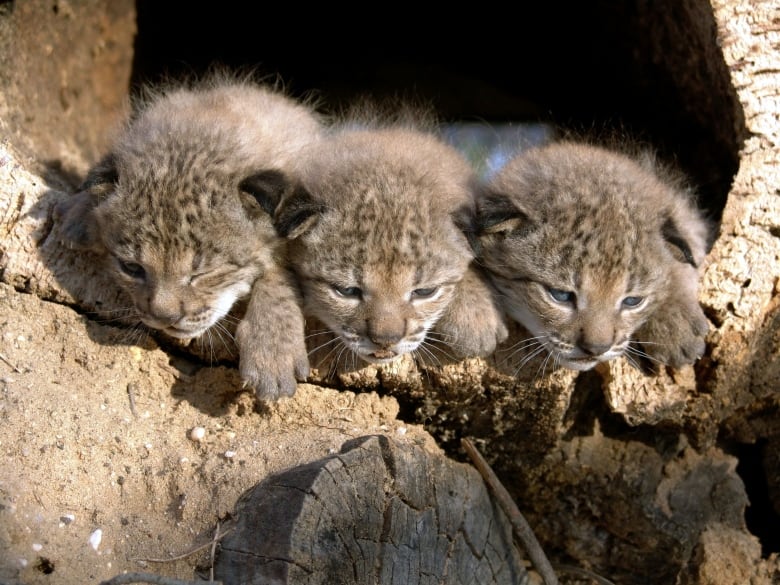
x=378, y=513
x=615, y=468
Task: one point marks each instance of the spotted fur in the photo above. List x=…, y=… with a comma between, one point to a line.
x=377, y=240
x=170, y=209
x=596, y=253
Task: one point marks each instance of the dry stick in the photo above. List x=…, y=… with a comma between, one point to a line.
x=193, y=550
x=519, y=524
x=131, y=396
x=580, y=572
x=10, y=364
x=153, y=580
x=214, y=542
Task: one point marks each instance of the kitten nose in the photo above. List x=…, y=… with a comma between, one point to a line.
x=164, y=308
x=166, y=317
x=384, y=340
x=594, y=348
x=384, y=334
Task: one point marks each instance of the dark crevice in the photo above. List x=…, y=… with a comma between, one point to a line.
x=646, y=70
x=761, y=517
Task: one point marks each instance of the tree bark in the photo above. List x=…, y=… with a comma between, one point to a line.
x=628, y=473
x=378, y=512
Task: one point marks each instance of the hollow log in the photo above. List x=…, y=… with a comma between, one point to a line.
x=633, y=475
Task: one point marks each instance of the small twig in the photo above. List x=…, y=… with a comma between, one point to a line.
x=580, y=572
x=10, y=364
x=521, y=527
x=214, y=542
x=184, y=555
x=131, y=395
x=153, y=580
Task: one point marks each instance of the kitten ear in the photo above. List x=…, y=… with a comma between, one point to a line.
x=267, y=187
x=102, y=178
x=465, y=219
x=297, y=213
x=678, y=246
x=498, y=214
x=76, y=214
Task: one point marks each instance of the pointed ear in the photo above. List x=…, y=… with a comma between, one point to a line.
x=78, y=224
x=102, y=178
x=678, y=246
x=465, y=219
x=297, y=213
x=267, y=187
x=76, y=214
x=498, y=214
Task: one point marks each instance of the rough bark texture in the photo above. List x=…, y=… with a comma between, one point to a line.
x=631, y=475
x=377, y=512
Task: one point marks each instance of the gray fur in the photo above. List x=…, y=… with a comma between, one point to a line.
x=377, y=242
x=170, y=211
x=616, y=238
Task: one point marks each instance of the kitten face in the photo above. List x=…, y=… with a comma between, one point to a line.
x=585, y=248
x=181, y=278
x=581, y=321
x=375, y=239
x=380, y=306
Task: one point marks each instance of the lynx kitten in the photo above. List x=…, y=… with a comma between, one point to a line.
x=596, y=254
x=377, y=241
x=170, y=209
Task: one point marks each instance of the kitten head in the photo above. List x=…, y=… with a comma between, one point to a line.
x=584, y=245
x=376, y=237
x=184, y=247
x=170, y=206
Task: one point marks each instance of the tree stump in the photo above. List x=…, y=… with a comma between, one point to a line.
x=377, y=513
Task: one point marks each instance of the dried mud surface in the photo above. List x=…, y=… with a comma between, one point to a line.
x=100, y=473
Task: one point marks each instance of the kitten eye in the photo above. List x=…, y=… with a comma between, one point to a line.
x=632, y=302
x=132, y=268
x=424, y=293
x=193, y=277
x=562, y=296
x=348, y=292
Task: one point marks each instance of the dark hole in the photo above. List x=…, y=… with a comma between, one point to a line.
x=761, y=517
x=44, y=566
x=604, y=74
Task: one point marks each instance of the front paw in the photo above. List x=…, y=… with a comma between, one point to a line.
x=675, y=336
x=272, y=369
x=473, y=332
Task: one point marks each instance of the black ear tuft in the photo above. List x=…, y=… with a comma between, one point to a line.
x=76, y=214
x=267, y=187
x=102, y=177
x=497, y=214
x=465, y=219
x=679, y=247
x=297, y=213
x=78, y=226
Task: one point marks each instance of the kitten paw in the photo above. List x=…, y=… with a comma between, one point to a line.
x=475, y=333
x=273, y=378
x=472, y=325
x=675, y=337
x=272, y=369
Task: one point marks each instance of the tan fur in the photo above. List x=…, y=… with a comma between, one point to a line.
x=168, y=209
x=596, y=254
x=377, y=241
